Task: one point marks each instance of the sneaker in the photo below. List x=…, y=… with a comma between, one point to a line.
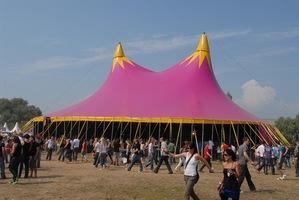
x=170, y=172
x=14, y=182
x=284, y=176
x=18, y=179
x=280, y=178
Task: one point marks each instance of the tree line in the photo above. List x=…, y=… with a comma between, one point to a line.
x=17, y=110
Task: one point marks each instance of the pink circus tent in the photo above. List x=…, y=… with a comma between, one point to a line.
x=187, y=93
x=187, y=90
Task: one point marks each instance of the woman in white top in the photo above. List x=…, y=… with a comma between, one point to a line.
x=191, y=175
x=103, y=153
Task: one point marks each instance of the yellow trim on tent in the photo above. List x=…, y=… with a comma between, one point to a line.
x=138, y=119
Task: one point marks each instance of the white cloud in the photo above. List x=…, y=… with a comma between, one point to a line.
x=255, y=95
x=282, y=34
x=54, y=63
x=164, y=42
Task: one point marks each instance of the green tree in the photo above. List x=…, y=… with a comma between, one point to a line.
x=288, y=127
x=17, y=110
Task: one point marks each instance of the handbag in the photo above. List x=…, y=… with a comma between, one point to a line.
x=222, y=191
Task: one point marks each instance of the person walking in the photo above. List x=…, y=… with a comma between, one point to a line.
x=84, y=151
x=150, y=154
x=243, y=152
x=171, y=147
x=116, y=152
x=280, y=161
x=2, y=158
x=76, y=142
x=231, y=173
x=33, y=155
x=50, y=146
x=25, y=157
x=207, y=156
x=191, y=176
x=296, y=159
x=16, y=159
x=103, y=154
x=268, y=158
x=163, y=157
x=136, y=156
x=261, y=151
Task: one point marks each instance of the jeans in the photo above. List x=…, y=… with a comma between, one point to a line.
x=2, y=167
x=96, y=159
x=261, y=164
x=61, y=154
x=189, y=191
x=103, y=159
x=165, y=159
x=287, y=162
x=269, y=163
x=24, y=162
x=75, y=153
x=244, y=173
x=49, y=155
x=150, y=161
x=38, y=159
x=203, y=165
x=14, y=167
x=136, y=159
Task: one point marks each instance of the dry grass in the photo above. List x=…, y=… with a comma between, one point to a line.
x=76, y=180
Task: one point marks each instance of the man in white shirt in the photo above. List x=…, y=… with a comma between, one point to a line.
x=163, y=157
x=50, y=146
x=76, y=147
x=150, y=154
x=261, y=150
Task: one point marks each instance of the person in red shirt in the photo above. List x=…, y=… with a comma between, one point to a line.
x=84, y=151
x=207, y=156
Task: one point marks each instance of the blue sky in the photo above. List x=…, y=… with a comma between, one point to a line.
x=57, y=53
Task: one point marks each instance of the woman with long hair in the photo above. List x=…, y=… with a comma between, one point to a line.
x=231, y=173
x=191, y=175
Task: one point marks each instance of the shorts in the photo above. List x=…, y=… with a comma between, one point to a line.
x=83, y=153
x=116, y=154
x=279, y=165
x=32, y=163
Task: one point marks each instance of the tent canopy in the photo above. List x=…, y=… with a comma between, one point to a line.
x=188, y=92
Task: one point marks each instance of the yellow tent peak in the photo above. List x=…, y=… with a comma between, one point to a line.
x=202, y=51
x=203, y=44
x=119, y=51
x=119, y=57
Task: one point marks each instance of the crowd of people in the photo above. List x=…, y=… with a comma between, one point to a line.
x=23, y=153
